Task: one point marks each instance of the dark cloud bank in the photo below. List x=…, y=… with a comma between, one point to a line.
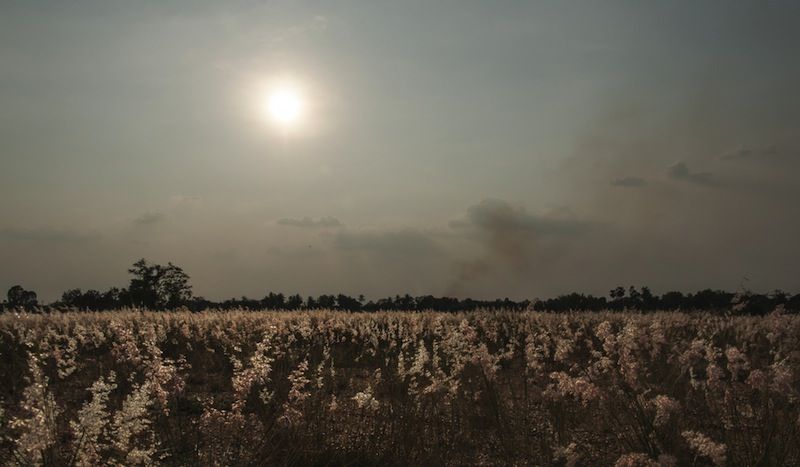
x=632, y=182
x=150, y=218
x=47, y=236
x=308, y=222
x=511, y=240
x=680, y=171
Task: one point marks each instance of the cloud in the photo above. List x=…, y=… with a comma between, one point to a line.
x=511, y=236
x=316, y=24
x=46, y=235
x=769, y=153
x=748, y=153
x=499, y=217
x=743, y=153
x=181, y=200
x=307, y=222
x=680, y=171
x=400, y=243
x=150, y=218
x=295, y=252
x=630, y=182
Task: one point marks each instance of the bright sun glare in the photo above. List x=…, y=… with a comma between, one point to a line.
x=285, y=106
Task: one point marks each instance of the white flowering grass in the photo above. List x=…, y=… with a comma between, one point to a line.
x=251, y=388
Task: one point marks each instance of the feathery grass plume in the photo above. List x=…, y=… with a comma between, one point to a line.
x=163, y=374
x=666, y=408
x=293, y=407
x=783, y=380
x=737, y=362
x=536, y=353
x=705, y=446
x=92, y=423
x=568, y=454
x=63, y=348
x=131, y=432
x=365, y=400
x=37, y=429
x=578, y=387
x=638, y=459
x=490, y=387
x=258, y=373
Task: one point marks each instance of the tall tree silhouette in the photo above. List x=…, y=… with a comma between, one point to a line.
x=18, y=297
x=157, y=286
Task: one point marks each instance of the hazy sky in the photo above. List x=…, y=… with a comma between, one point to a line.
x=482, y=149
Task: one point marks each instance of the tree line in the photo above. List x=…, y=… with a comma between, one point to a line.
x=158, y=287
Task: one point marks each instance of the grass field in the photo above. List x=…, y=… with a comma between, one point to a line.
x=321, y=388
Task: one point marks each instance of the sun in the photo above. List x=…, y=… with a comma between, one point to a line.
x=285, y=106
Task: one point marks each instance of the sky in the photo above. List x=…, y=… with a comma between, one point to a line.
x=475, y=149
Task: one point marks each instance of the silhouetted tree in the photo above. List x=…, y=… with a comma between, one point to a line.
x=648, y=301
x=708, y=299
x=406, y=302
x=672, y=301
x=634, y=300
x=274, y=301
x=570, y=302
x=72, y=298
x=326, y=302
x=793, y=303
x=617, y=295
x=143, y=288
x=157, y=286
x=294, y=302
x=18, y=297
x=112, y=298
x=173, y=286
x=344, y=302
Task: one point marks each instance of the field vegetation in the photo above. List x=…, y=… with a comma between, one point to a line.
x=242, y=388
